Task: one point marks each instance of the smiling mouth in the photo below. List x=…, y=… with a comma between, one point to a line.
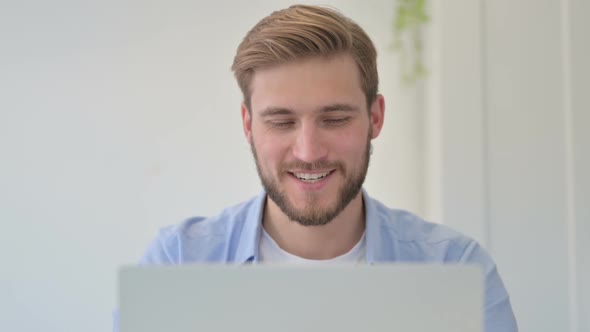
x=311, y=177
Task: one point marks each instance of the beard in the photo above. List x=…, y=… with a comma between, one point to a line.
x=313, y=214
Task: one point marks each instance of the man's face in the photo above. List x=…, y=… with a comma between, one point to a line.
x=310, y=132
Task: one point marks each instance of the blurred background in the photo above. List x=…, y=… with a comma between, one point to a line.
x=120, y=117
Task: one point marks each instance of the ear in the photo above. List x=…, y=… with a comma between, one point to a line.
x=247, y=123
x=377, y=115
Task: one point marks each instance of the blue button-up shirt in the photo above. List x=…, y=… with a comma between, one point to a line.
x=391, y=236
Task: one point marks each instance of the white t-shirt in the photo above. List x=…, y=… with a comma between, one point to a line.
x=271, y=253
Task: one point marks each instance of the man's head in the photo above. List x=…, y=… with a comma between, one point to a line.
x=301, y=32
x=310, y=109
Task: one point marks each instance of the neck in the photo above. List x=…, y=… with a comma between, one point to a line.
x=316, y=242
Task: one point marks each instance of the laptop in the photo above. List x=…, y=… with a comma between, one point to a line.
x=224, y=298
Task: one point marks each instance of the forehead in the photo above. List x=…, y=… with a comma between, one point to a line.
x=308, y=84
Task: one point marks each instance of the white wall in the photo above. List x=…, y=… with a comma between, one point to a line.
x=578, y=81
x=119, y=117
x=509, y=144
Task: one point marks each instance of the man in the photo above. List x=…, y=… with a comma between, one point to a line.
x=311, y=108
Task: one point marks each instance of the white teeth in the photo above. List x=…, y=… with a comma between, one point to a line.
x=308, y=177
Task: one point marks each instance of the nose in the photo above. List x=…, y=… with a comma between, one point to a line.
x=309, y=144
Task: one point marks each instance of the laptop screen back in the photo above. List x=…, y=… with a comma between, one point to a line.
x=406, y=298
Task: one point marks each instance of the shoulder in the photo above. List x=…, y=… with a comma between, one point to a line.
x=200, y=239
x=414, y=239
x=417, y=240
x=404, y=237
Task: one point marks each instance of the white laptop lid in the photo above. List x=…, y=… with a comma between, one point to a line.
x=405, y=298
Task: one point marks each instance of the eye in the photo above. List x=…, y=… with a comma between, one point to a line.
x=281, y=124
x=336, y=121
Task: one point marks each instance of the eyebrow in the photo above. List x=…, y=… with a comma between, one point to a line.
x=270, y=111
x=339, y=108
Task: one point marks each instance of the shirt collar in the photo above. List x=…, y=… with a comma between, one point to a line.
x=247, y=250
x=373, y=231
x=249, y=243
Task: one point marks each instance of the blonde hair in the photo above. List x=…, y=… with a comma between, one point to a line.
x=300, y=32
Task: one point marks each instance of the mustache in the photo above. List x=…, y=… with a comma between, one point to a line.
x=316, y=165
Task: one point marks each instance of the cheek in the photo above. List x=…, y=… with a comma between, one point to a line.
x=271, y=151
x=351, y=143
